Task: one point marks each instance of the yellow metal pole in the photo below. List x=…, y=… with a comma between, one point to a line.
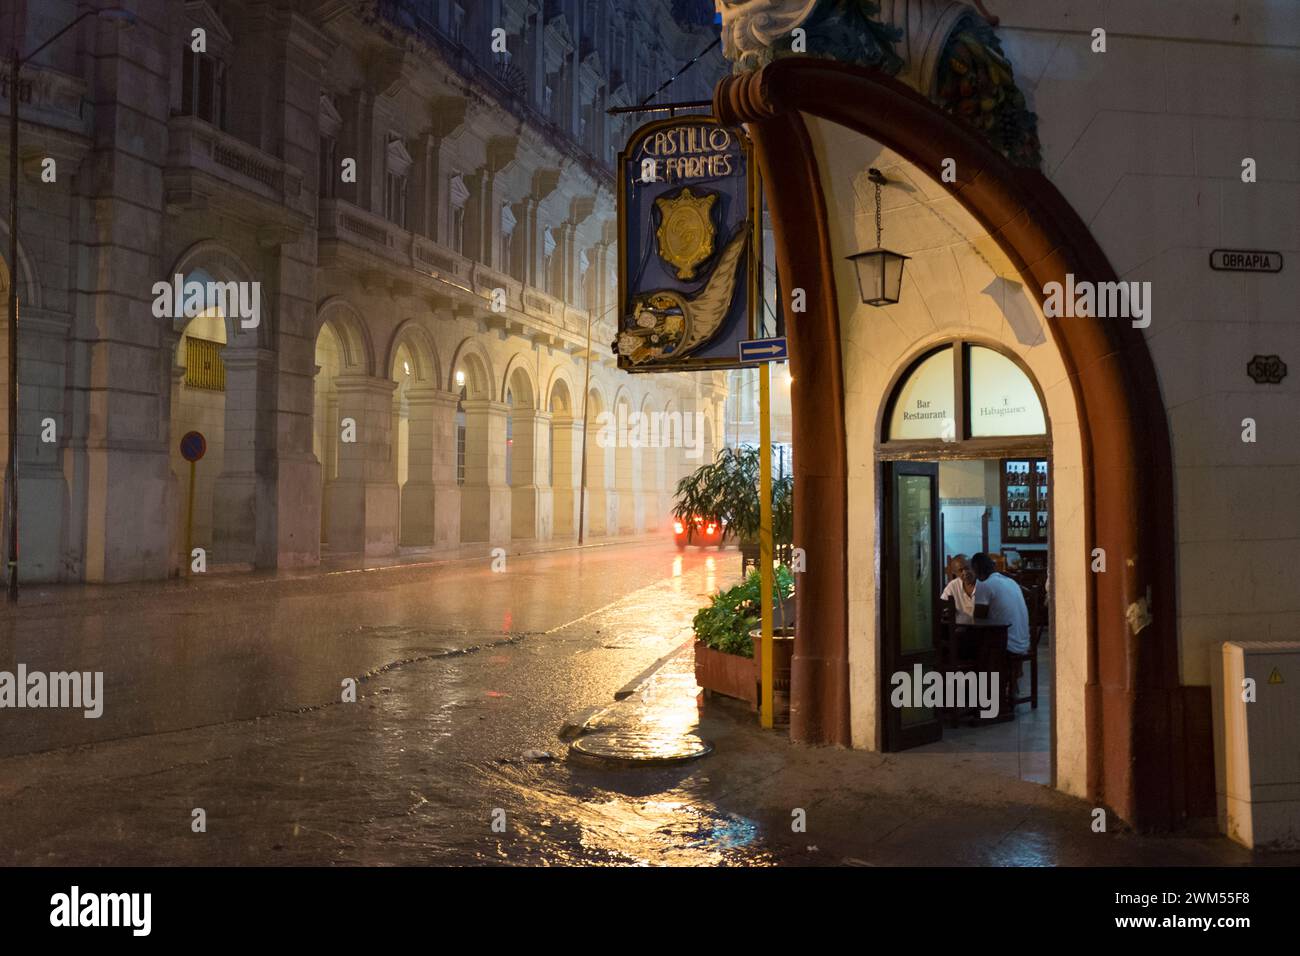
x=765, y=532
x=189, y=526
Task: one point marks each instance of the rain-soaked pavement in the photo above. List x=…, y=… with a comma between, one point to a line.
x=226, y=698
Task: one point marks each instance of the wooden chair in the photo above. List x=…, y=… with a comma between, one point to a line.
x=1037, y=625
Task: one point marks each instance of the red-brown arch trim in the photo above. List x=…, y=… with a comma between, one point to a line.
x=1138, y=737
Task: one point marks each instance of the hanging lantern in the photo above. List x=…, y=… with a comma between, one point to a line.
x=880, y=272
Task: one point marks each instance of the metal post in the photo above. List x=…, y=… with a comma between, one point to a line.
x=765, y=533
x=11, y=474
x=189, y=524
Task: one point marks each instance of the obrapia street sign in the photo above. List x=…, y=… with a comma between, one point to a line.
x=1245, y=260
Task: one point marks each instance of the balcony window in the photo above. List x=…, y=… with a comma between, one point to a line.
x=203, y=87
x=397, y=165
x=327, y=172
x=395, y=199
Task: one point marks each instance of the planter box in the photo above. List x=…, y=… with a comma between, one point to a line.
x=726, y=674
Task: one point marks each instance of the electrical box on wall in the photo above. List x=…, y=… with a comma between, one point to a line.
x=1261, y=722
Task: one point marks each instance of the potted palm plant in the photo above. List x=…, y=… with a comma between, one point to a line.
x=725, y=492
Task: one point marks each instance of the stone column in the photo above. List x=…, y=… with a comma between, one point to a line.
x=244, y=497
x=363, y=499
x=485, y=496
x=530, y=497
x=417, y=521
x=446, y=490
x=567, y=438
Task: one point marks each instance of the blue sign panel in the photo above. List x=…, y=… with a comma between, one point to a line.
x=688, y=292
x=763, y=350
x=193, y=446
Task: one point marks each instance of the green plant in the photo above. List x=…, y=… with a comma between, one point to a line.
x=726, y=491
x=724, y=625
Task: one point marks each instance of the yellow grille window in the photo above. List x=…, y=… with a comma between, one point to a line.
x=203, y=365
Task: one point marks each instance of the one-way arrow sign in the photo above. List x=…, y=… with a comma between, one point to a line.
x=763, y=350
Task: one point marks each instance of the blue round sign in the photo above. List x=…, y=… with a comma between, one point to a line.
x=193, y=446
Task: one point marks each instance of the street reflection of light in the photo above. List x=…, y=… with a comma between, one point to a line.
x=507, y=622
x=710, y=576
x=677, y=566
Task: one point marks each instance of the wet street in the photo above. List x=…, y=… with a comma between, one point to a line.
x=226, y=697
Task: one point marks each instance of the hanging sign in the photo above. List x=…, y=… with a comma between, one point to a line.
x=1245, y=260
x=688, y=246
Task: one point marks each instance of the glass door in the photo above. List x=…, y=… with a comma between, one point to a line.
x=911, y=592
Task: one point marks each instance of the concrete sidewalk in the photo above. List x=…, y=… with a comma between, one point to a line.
x=875, y=809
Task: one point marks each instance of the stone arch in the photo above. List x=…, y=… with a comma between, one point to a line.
x=1135, y=727
x=562, y=373
x=29, y=288
x=221, y=398
x=426, y=366
x=518, y=379
x=350, y=329
x=224, y=265
x=472, y=358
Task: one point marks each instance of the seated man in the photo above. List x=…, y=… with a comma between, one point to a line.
x=998, y=600
x=960, y=589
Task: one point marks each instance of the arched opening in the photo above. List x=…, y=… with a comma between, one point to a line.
x=963, y=455
x=199, y=404
x=481, y=469
x=650, y=505
x=563, y=463
x=598, y=500
x=325, y=417
x=353, y=438
x=527, y=441
x=625, y=476
x=221, y=372
x=402, y=373
x=421, y=421
x=1131, y=730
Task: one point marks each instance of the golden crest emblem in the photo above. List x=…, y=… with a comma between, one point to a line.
x=686, y=232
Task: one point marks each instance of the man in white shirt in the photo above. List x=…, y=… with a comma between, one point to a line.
x=998, y=600
x=960, y=590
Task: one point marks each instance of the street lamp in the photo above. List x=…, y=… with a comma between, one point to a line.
x=16, y=61
x=880, y=272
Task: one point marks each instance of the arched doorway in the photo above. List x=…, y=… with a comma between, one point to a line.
x=963, y=454
x=352, y=437
x=482, y=421
x=564, y=463
x=1133, y=730
x=199, y=404
x=220, y=372
x=625, y=476
x=596, y=520
x=421, y=421
x=527, y=441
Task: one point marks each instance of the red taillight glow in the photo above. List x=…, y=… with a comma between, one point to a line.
x=677, y=527
x=710, y=528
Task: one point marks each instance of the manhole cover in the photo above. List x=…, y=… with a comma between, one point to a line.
x=641, y=747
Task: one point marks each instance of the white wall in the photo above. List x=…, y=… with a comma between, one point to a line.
x=1146, y=142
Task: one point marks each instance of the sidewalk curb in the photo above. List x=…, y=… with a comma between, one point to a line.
x=632, y=686
x=225, y=577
